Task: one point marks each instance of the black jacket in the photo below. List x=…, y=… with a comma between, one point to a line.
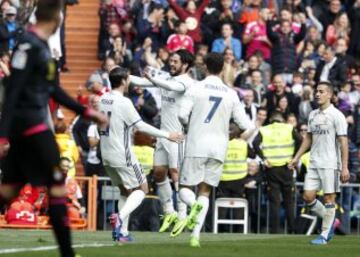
x=5, y=35
x=337, y=74
x=283, y=52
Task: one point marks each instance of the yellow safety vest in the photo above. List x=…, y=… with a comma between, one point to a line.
x=235, y=164
x=278, y=144
x=145, y=155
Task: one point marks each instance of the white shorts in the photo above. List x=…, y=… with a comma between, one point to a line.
x=327, y=180
x=196, y=170
x=129, y=177
x=168, y=154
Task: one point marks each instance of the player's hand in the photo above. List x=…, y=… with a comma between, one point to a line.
x=176, y=137
x=4, y=149
x=291, y=165
x=344, y=175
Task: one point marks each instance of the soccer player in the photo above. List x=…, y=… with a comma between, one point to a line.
x=32, y=155
x=168, y=155
x=327, y=137
x=120, y=163
x=207, y=110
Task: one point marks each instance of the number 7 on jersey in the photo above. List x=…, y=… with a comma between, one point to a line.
x=217, y=101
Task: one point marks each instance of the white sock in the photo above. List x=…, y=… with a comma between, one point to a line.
x=187, y=196
x=181, y=208
x=165, y=195
x=318, y=208
x=204, y=201
x=328, y=219
x=124, y=228
x=132, y=202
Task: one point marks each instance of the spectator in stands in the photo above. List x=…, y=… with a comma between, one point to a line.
x=245, y=69
x=67, y=146
x=231, y=67
x=249, y=12
x=331, y=69
x=283, y=54
x=339, y=29
x=355, y=94
x=341, y=49
x=257, y=85
x=305, y=106
x=152, y=27
x=272, y=98
x=329, y=14
x=144, y=103
x=119, y=53
x=344, y=104
x=283, y=106
x=10, y=30
x=94, y=164
x=354, y=16
x=227, y=40
x=107, y=43
x=249, y=105
x=192, y=17
x=180, y=40
x=255, y=36
x=292, y=120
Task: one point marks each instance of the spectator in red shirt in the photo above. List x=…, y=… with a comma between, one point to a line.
x=180, y=40
x=255, y=36
x=191, y=15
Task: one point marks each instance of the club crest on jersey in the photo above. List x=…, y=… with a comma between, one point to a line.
x=19, y=60
x=51, y=70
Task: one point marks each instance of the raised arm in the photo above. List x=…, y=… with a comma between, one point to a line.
x=140, y=82
x=168, y=84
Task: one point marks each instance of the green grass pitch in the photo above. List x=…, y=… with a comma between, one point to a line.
x=160, y=245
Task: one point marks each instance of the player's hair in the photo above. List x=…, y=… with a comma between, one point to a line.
x=186, y=57
x=214, y=63
x=47, y=10
x=328, y=84
x=276, y=116
x=117, y=75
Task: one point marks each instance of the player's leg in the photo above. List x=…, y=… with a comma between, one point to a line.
x=161, y=169
x=40, y=165
x=134, y=181
x=312, y=184
x=122, y=200
x=273, y=191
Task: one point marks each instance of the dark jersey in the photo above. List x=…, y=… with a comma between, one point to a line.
x=32, y=82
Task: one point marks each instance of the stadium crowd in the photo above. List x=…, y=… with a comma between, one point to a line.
x=275, y=51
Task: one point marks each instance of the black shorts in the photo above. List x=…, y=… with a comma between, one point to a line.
x=33, y=159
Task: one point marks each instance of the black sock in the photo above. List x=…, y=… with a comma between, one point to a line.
x=60, y=222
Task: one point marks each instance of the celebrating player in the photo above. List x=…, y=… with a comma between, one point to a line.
x=327, y=137
x=120, y=163
x=207, y=110
x=167, y=154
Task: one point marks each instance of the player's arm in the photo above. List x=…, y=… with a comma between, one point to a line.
x=341, y=135
x=152, y=131
x=305, y=145
x=186, y=107
x=140, y=82
x=168, y=84
x=22, y=64
x=241, y=119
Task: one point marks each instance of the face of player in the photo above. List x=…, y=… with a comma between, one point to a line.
x=176, y=66
x=323, y=95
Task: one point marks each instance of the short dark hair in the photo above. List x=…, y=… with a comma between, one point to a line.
x=214, y=63
x=262, y=109
x=186, y=57
x=328, y=84
x=47, y=10
x=255, y=70
x=117, y=75
x=276, y=116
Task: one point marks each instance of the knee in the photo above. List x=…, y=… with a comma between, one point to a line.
x=205, y=189
x=309, y=197
x=160, y=174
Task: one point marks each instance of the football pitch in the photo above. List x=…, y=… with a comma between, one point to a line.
x=30, y=243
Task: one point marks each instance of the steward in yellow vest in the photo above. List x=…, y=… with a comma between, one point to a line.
x=145, y=156
x=277, y=141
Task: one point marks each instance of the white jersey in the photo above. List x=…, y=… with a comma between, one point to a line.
x=325, y=126
x=116, y=138
x=170, y=104
x=211, y=104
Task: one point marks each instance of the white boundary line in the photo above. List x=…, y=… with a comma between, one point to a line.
x=50, y=247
